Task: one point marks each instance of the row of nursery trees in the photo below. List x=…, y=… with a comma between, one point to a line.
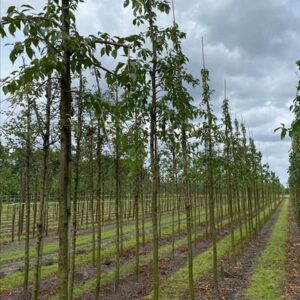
x=144, y=130
x=294, y=169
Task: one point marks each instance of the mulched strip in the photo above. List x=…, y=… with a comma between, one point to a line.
x=130, y=289
x=292, y=290
x=237, y=270
x=87, y=271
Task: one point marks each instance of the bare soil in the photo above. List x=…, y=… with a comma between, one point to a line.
x=88, y=271
x=129, y=288
x=292, y=290
x=237, y=269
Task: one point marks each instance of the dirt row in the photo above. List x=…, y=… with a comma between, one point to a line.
x=237, y=269
x=9, y=267
x=129, y=288
x=85, y=272
x=292, y=289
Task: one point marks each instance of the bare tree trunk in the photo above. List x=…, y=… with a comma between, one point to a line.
x=99, y=228
x=188, y=208
x=155, y=178
x=117, y=203
x=65, y=156
x=154, y=158
x=91, y=187
x=137, y=185
x=76, y=185
x=27, y=195
x=211, y=206
x=43, y=201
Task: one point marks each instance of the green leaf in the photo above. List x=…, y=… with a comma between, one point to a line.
x=27, y=6
x=114, y=53
x=5, y=90
x=29, y=51
x=2, y=31
x=102, y=51
x=26, y=30
x=13, y=56
x=10, y=10
x=35, y=41
x=12, y=29
x=18, y=24
x=276, y=129
x=283, y=133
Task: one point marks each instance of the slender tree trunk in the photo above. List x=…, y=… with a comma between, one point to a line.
x=245, y=221
x=91, y=188
x=28, y=198
x=188, y=208
x=22, y=203
x=99, y=206
x=117, y=203
x=154, y=171
x=35, y=205
x=1, y=205
x=211, y=206
x=154, y=158
x=13, y=223
x=65, y=156
x=175, y=180
x=237, y=193
x=137, y=230
x=229, y=195
x=43, y=201
x=143, y=209
x=76, y=186
x=137, y=184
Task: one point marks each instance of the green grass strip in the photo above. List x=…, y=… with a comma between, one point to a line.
x=177, y=284
x=269, y=274
x=81, y=240
x=129, y=267
x=14, y=280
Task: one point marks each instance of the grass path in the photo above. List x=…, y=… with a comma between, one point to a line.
x=82, y=239
x=129, y=267
x=177, y=284
x=15, y=280
x=267, y=281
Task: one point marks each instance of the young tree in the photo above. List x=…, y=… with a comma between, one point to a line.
x=78, y=139
x=118, y=203
x=27, y=192
x=228, y=138
x=145, y=12
x=294, y=169
x=44, y=130
x=209, y=136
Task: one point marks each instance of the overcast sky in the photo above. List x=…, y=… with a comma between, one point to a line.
x=252, y=44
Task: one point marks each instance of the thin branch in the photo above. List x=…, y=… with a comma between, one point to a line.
x=29, y=18
x=203, y=61
x=106, y=70
x=40, y=121
x=106, y=42
x=99, y=92
x=173, y=11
